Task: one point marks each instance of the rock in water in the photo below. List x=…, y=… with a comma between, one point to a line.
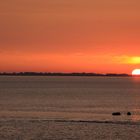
x=116, y=113
x=128, y=113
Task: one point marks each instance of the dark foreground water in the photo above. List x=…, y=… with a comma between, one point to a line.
x=70, y=98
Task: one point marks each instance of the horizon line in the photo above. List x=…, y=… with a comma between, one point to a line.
x=29, y=73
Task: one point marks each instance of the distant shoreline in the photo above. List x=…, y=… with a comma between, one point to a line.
x=63, y=74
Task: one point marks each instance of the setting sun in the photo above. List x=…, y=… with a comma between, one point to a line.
x=136, y=72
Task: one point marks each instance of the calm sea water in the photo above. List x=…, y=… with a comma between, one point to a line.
x=70, y=98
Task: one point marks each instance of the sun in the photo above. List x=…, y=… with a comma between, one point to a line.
x=136, y=72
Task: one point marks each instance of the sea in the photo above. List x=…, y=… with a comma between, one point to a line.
x=70, y=98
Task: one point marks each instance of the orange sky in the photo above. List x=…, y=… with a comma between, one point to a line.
x=70, y=35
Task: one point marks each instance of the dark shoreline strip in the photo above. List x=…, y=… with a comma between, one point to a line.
x=73, y=121
x=101, y=122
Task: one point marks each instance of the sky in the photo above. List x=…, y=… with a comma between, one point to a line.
x=100, y=36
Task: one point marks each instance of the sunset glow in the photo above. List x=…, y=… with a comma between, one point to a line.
x=134, y=60
x=70, y=36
